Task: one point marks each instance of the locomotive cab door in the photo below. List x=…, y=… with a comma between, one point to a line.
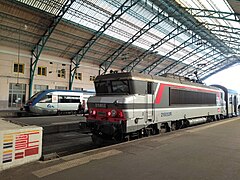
x=235, y=105
x=150, y=103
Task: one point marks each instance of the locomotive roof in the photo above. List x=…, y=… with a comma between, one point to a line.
x=147, y=77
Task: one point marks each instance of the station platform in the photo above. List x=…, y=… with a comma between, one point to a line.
x=209, y=151
x=9, y=112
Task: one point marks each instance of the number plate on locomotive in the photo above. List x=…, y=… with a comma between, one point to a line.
x=100, y=105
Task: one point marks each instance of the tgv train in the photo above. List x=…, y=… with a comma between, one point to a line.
x=57, y=101
x=132, y=104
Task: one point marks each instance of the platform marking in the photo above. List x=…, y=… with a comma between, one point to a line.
x=171, y=136
x=73, y=163
x=212, y=125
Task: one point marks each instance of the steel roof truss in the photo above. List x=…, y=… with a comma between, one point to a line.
x=37, y=50
x=218, y=58
x=218, y=70
x=223, y=64
x=212, y=53
x=186, y=43
x=213, y=14
x=188, y=55
x=81, y=53
x=153, y=47
x=152, y=23
x=173, y=8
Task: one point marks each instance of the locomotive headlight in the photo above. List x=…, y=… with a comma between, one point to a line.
x=114, y=113
x=109, y=113
x=93, y=112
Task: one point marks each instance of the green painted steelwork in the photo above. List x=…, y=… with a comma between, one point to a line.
x=80, y=54
x=179, y=30
x=211, y=54
x=200, y=66
x=152, y=23
x=182, y=59
x=173, y=8
x=221, y=68
x=228, y=16
x=37, y=50
x=186, y=43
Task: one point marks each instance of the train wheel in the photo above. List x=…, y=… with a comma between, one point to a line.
x=58, y=113
x=165, y=128
x=174, y=126
x=155, y=131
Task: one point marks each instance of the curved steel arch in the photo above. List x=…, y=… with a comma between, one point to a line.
x=37, y=50
x=213, y=14
x=195, y=51
x=171, y=66
x=81, y=53
x=218, y=58
x=208, y=55
x=219, y=70
x=153, y=22
x=153, y=47
x=178, y=12
x=216, y=68
x=151, y=67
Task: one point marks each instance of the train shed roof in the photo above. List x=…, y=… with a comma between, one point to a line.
x=186, y=38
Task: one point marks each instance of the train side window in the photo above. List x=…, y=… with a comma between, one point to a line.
x=149, y=87
x=68, y=99
x=46, y=99
x=230, y=100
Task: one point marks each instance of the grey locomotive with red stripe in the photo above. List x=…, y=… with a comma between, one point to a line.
x=133, y=104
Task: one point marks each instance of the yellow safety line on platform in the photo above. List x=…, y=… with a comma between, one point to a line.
x=73, y=163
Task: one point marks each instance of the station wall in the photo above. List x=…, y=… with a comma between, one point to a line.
x=51, y=73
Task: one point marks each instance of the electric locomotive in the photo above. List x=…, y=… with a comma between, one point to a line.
x=133, y=104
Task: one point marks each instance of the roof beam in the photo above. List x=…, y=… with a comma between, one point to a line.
x=210, y=54
x=81, y=53
x=152, y=23
x=217, y=68
x=228, y=16
x=186, y=43
x=38, y=48
x=174, y=33
x=200, y=66
x=188, y=55
x=178, y=12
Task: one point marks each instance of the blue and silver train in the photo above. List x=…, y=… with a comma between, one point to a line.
x=52, y=101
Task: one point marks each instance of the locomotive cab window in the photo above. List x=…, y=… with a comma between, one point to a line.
x=114, y=87
x=101, y=87
x=120, y=86
x=46, y=99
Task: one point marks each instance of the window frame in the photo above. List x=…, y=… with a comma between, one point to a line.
x=78, y=76
x=92, y=78
x=18, y=65
x=41, y=71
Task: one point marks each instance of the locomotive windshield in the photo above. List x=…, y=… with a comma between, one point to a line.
x=113, y=87
x=34, y=96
